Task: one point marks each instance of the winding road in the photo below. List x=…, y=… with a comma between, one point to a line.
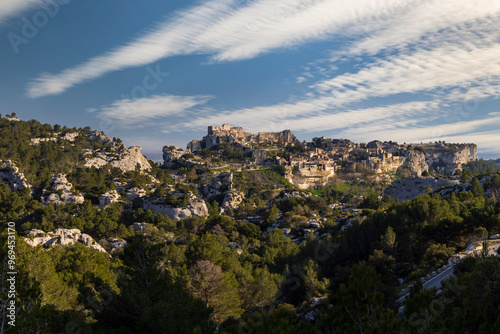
x=435, y=282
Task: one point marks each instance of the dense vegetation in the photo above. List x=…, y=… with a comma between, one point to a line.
x=227, y=273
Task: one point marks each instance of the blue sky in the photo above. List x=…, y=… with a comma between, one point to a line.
x=158, y=73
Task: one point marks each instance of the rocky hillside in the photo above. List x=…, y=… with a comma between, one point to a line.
x=321, y=161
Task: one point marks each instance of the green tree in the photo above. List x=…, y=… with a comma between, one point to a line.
x=437, y=254
x=388, y=240
x=272, y=214
x=476, y=188
x=359, y=306
x=149, y=300
x=216, y=289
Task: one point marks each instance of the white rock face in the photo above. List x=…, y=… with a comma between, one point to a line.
x=171, y=153
x=99, y=137
x=411, y=187
x=194, y=145
x=232, y=200
x=96, y=162
x=59, y=183
x=10, y=174
x=130, y=158
x=196, y=207
x=108, y=197
x=70, y=136
x=127, y=159
x=61, y=236
x=37, y=141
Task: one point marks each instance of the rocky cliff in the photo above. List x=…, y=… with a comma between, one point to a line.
x=171, y=153
x=411, y=187
x=10, y=174
x=447, y=158
x=125, y=159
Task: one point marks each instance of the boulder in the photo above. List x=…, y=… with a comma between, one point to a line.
x=232, y=200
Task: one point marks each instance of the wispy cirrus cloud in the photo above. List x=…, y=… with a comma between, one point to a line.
x=435, y=20
x=424, y=70
x=138, y=112
x=9, y=8
x=227, y=30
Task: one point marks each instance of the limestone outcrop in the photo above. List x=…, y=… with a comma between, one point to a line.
x=232, y=200
x=61, y=236
x=133, y=193
x=293, y=194
x=193, y=146
x=126, y=159
x=196, y=207
x=411, y=187
x=100, y=137
x=60, y=191
x=451, y=157
x=220, y=184
x=69, y=136
x=130, y=157
x=171, y=153
x=10, y=174
x=108, y=197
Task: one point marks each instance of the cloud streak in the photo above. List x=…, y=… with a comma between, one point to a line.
x=9, y=8
x=138, y=112
x=223, y=30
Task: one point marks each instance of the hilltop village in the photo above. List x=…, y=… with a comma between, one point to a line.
x=316, y=163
